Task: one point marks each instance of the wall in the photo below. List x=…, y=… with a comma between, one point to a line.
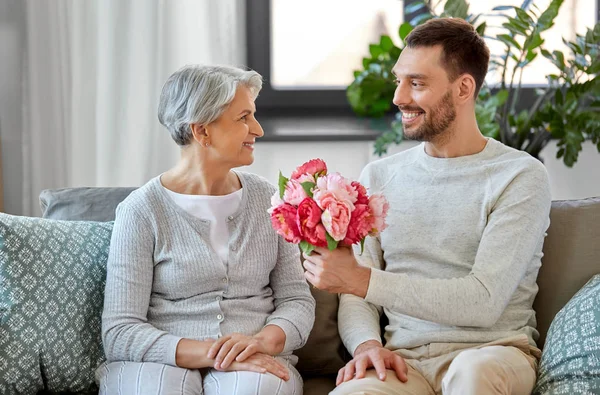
x=583, y=180
x=12, y=42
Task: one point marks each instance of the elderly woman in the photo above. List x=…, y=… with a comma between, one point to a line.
x=202, y=296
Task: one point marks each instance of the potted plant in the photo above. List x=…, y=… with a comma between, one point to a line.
x=567, y=108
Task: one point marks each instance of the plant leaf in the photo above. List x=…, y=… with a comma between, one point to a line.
x=404, y=30
x=386, y=43
x=306, y=247
x=282, y=183
x=481, y=29
x=414, y=7
x=420, y=19
x=508, y=40
x=362, y=245
x=502, y=8
x=308, y=187
x=331, y=243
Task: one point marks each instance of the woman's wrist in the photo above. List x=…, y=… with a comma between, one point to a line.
x=273, y=339
x=192, y=354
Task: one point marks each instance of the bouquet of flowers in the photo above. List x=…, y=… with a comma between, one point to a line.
x=315, y=208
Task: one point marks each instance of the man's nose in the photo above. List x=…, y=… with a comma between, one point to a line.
x=401, y=95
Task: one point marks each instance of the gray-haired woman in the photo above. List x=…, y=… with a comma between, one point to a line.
x=202, y=296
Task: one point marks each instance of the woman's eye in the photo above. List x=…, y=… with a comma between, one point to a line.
x=244, y=118
x=397, y=81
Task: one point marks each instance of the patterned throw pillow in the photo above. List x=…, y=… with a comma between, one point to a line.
x=571, y=360
x=52, y=276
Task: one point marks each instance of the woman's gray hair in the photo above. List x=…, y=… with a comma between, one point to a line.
x=200, y=94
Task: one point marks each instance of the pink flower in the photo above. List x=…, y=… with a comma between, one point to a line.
x=311, y=167
x=306, y=178
x=363, y=198
x=283, y=219
x=379, y=208
x=339, y=186
x=294, y=193
x=308, y=219
x=336, y=215
x=275, y=202
x=361, y=223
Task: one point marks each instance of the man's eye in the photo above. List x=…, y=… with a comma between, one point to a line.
x=416, y=84
x=244, y=118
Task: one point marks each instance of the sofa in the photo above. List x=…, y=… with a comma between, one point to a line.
x=65, y=234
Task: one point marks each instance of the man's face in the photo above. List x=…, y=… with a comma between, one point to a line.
x=424, y=94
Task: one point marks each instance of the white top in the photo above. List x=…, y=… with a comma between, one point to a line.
x=215, y=209
x=459, y=260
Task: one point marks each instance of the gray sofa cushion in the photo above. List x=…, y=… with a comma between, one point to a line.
x=571, y=257
x=82, y=204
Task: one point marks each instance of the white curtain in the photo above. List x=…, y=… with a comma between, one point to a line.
x=94, y=70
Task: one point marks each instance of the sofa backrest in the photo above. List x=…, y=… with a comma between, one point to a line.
x=571, y=257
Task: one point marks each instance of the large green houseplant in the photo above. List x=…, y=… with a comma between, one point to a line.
x=567, y=108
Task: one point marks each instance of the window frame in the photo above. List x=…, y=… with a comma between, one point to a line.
x=258, y=40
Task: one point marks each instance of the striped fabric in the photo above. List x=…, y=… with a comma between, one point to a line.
x=141, y=378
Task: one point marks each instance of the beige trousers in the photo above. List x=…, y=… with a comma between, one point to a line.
x=506, y=366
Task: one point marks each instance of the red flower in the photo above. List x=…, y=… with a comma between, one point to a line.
x=309, y=223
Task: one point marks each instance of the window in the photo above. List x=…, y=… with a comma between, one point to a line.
x=575, y=17
x=307, y=51
x=321, y=50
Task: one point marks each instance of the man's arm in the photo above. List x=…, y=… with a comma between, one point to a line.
x=358, y=320
x=513, y=235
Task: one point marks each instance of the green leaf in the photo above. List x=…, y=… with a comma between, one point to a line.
x=306, y=247
x=508, y=40
x=282, y=183
x=362, y=245
x=534, y=42
x=546, y=20
x=502, y=8
x=456, y=9
x=523, y=16
x=558, y=97
x=526, y=4
x=419, y=19
x=386, y=43
x=481, y=29
x=404, y=30
x=308, y=188
x=414, y=7
x=331, y=243
x=375, y=50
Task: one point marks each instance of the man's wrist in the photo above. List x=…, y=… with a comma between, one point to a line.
x=360, y=285
x=365, y=346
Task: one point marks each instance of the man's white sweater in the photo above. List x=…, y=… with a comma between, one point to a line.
x=460, y=258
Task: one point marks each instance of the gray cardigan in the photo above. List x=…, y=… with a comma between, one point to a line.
x=165, y=282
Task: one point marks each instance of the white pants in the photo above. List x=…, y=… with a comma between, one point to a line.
x=147, y=378
x=504, y=367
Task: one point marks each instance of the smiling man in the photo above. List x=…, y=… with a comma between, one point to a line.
x=455, y=272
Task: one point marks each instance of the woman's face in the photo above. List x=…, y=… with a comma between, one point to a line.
x=233, y=134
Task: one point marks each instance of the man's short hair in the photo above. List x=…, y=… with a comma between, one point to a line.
x=464, y=50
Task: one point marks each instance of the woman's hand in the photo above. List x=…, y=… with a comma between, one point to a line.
x=260, y=363
x=238, y=347
x=235, y=348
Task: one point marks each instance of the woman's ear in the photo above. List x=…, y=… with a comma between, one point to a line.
x=199, y=133
x=466, y=87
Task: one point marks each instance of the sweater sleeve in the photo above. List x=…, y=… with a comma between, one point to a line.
x=294, y=305
x=126, y=333
x=513, y=234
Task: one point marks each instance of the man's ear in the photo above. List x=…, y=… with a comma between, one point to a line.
x=199, y=132
x=466, y=88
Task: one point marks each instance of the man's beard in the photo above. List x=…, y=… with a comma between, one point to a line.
x=436, y=122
